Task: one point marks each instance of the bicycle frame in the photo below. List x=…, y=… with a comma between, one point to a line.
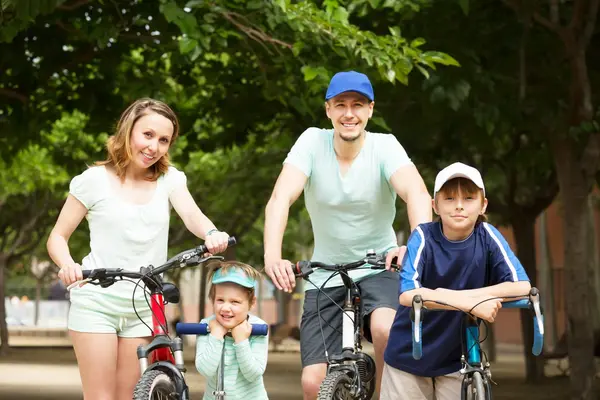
x=351, y=359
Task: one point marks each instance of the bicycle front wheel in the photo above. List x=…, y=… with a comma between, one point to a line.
x=475, y=389
x=155, y=385
x=336, y=386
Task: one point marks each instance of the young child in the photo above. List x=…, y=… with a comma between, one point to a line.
x=459, y=260
x=232, y=294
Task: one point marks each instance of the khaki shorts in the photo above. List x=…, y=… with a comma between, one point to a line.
x=400, y=385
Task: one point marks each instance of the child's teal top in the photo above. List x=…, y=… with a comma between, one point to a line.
x=245, y=364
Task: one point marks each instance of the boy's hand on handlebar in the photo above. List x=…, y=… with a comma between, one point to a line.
x=282, y=274
x=70, y=273
x=242, y=331
x=216, y=242
x=398, y=254
x=216, y=329
x=487, y=309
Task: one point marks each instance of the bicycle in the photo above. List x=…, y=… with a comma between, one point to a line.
x=477, y=375
x=183, y=328
x=350, y=374
x=161, y=361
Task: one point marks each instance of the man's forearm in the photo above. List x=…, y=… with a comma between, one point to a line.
x=276, y=217
x=418, y=206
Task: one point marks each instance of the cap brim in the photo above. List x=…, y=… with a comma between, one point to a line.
x=230, y=280
x=331, y=96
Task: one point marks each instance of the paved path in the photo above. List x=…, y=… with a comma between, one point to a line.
x=50, y=373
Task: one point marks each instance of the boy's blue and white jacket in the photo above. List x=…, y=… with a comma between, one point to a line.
x=432, y=261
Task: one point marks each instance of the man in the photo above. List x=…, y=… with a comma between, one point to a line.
x=350, y=178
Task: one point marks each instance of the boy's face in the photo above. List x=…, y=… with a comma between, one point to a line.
x=349, y=113
x=231, y=304
x=459, y=209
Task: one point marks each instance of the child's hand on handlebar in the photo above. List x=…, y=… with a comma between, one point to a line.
x=216, y=329
x=282, y=274
x=70, y=273
x=486, y=307
x=242, y=331
x=216, y=242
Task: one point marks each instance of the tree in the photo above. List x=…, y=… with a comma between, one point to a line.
x=575, y=147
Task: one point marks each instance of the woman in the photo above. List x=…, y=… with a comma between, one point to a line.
x=126, y=200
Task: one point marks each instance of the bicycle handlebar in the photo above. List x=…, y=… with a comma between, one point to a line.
x=303, y=269
x=184, y=328
x=533, y=303
x=107, y=276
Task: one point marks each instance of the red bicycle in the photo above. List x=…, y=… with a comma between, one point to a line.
x=161, y=361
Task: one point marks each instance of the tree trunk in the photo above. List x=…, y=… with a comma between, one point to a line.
x=524, y=231
x=546, y=285
x=580, y=336
x=38, y=295
x=3, y=326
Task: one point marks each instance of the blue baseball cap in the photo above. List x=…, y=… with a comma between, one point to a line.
x=234, y=275
x=350, y=81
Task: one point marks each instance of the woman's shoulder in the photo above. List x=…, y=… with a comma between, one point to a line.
x=174, y=178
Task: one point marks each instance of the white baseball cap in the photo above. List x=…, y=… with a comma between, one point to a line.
x=458, y=170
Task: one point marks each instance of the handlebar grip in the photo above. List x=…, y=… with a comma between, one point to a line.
x=183, y=328
x=416, y=317
x=86, y=273
x=522, y=303
x=538, y=336
x=417, y=343
x=230, y=242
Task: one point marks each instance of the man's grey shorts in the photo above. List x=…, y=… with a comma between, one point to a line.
x=377, y=291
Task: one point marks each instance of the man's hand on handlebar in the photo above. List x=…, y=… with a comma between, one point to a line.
x=282, y=274
x=396, y=253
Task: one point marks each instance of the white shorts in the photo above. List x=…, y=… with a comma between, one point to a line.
x=92, y=311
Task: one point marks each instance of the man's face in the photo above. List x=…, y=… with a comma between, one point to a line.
x=349, y=113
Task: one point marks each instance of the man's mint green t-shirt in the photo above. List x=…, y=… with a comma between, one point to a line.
x=353, y=213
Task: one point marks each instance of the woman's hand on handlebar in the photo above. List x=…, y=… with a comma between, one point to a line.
x=216, y=242
x=70, y=273
x=282, y=274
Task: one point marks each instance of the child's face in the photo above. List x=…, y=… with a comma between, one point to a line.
x=231, y=304
x=459, y=210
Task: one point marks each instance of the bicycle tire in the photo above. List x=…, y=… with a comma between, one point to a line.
x=155, y=385
x=336, y=386
x=476, y=390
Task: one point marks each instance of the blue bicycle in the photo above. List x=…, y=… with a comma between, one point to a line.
x=477, y=375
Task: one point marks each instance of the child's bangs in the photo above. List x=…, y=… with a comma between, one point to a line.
x=467, y=187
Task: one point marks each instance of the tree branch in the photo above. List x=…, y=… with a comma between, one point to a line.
x=73, y=6
x=590, y=24
x=555, y=27
x=14, y=95
x=255, y=34
x=590, y=162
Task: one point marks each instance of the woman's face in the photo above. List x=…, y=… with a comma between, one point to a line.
x=150, y=139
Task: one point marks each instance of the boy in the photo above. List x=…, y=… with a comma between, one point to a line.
x=232, y=294
x=459, y=260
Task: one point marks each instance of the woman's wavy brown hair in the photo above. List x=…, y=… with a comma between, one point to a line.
x=119, y=146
